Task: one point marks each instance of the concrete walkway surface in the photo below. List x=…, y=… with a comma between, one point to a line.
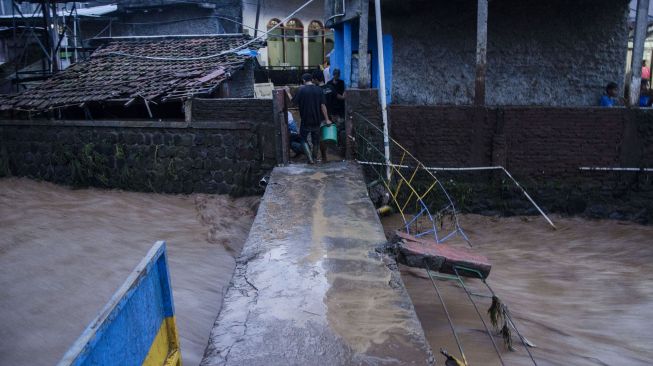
x=309, y=287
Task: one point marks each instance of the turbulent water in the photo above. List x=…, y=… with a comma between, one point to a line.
x=64, y=252
x=583, y=293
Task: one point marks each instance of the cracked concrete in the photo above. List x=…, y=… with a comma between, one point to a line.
x=309, y=287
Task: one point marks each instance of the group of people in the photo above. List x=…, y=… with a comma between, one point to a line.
x=611, y=96
x=321, y=102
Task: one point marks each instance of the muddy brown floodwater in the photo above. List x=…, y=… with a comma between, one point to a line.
x=583, y=293
x=64, y=252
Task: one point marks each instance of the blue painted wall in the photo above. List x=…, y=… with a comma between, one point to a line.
x=347, y=50
x=346, y=42
x=387, y=57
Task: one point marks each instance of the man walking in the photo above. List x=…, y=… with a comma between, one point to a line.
x=312, y=109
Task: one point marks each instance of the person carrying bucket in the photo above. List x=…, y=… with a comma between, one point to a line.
x=312, y=107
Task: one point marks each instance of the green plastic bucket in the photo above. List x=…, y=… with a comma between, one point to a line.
x=330, y=133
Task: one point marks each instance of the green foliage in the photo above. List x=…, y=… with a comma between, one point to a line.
x=88, y=167
x=119, y=154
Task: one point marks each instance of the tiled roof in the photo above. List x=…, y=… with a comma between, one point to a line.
x=109, y=74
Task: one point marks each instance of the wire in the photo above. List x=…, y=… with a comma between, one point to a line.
x=226, y=52
x=324, y=30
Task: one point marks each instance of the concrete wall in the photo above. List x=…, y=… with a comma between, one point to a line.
x=179, y=19
x=225, y=152
x=241, y=84
x=541, y=147
x=549, y=53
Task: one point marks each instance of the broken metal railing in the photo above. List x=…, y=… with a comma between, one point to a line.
x=412, y=190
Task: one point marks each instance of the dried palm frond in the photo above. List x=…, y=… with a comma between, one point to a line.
x=506, y=334
x=499, y=315
x=496, y=312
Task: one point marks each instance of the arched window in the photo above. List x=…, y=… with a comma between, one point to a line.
x=275, y=44
x=315, y=43
x=294, y=42
x=328, y=42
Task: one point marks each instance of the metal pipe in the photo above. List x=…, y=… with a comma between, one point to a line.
x=475, y=168
x=487, y=329
x=610, y=169
x=446, y=312
x=384, y=106
x=641, y=26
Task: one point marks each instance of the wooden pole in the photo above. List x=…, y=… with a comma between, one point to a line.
x=281, y=125
x=641, y=27
x=481, y=52
x=363, y=66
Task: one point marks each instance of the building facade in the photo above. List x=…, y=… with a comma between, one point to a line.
x=553, y=53
x=301, y=41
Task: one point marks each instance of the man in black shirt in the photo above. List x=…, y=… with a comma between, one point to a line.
x=336, y=96
x=312, y=110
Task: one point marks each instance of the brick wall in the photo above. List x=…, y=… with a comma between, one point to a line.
x=226, y=151
x=542, y=147
x=552, y=142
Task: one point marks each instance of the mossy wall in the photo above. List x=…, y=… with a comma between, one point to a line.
x=228, y=156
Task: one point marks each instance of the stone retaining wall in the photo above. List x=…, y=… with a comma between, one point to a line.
x=225, y=154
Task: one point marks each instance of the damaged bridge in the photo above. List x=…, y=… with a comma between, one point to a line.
x=309, y=287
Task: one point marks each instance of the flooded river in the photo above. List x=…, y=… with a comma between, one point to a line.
x=64, y=252
x=583, y=293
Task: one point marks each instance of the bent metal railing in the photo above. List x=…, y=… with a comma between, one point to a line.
x=412, y=190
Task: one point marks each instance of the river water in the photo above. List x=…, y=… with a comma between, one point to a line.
x=583, y=293
x=64, y=252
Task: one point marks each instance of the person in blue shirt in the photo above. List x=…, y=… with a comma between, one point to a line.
x=609, y=99
x=645, y=95
x=295, y=138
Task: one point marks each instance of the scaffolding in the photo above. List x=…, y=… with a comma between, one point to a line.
x=45, y=39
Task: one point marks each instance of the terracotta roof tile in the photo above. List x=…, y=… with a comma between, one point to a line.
x=112, y=73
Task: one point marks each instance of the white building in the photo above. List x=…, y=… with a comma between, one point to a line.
x=301, y=41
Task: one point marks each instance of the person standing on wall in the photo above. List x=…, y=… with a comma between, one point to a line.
x=610, y=98
x=327, y=71
x=646, y=71
x=312, y=108
x=336, y=97
x=335, y=94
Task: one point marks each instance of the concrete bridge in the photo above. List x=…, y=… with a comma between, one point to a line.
x=309, y=287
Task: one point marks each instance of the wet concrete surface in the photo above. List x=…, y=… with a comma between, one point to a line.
x=64, y=252
x=583, y=293
x=309, y=287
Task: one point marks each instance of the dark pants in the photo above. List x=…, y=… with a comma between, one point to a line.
x=314, y=131
x=296, y=143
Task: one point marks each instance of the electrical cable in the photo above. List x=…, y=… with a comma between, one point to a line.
x=226, y=52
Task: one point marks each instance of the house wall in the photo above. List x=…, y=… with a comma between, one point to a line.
x=542, y=147
x=271, y=9
x=178, y=19
x=241, y=84
x=227, y=148
x=555, y=53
